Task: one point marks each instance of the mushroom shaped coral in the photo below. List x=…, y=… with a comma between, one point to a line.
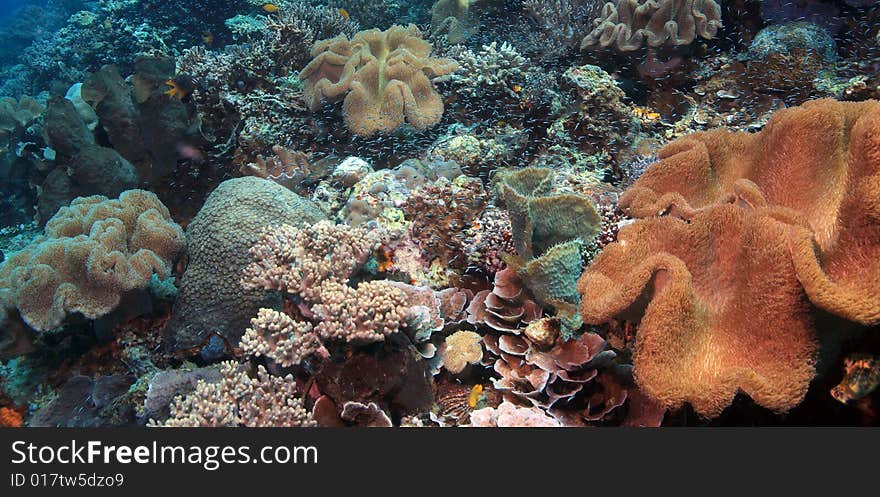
x=739, y=234
x=92, y=252
x=387, y=75
x=629, y=24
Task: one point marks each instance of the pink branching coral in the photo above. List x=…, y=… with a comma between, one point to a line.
x=315, y=264
x=369, y=313
x=299, y=260
x=277, y=336
x=238, y=399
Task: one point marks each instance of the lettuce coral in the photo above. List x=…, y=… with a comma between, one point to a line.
x=737, y=238
x=387, y=76
x=92, y=251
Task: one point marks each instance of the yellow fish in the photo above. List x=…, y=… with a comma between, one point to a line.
x=270, y=7
x=343, y=13
x=474, y=397
x=646, y=114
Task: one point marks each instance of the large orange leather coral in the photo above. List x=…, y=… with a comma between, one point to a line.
x=737, y=237
x=386, y=75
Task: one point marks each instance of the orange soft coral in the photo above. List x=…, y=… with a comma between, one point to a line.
x=738, y=234
x=10, y=418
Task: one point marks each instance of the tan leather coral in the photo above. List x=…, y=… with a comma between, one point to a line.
x=631, y=24
x=738, y=237
x=92, y=252
x=386, y=77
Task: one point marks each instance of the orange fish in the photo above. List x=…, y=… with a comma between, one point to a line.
x=343, y=13
x=474, y=397
x=270, y=7
x=181, y=87
x=517, y=88
x=646, y=114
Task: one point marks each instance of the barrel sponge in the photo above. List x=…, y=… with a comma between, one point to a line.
x=738, y=238
x=386, y=77
x=631, y=24
x=92, y=251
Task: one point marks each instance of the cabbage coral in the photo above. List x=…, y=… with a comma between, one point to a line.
x=738, y=237
x=386, y=75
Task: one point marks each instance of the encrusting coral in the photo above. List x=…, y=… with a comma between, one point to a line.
x=631, y=24
x=736, y=235
x=387, y=76
x=92, y=252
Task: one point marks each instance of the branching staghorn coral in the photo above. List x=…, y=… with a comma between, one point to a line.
x=738, y=238
x=630, y=24
x=237, y=399
x=368, y=313
x=299, y=261
x=277, y=336
x=386, y=77
x=92, y=252
x=493, y=69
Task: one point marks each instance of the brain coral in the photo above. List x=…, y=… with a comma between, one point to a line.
x=738, y=237
x=211, y=298
x=386, y=75
x=92, y=251
x=629, y=24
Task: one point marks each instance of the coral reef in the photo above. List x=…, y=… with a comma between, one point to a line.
x=795, y=203
x=386, y=77
x=439, y=213
x=92, y=252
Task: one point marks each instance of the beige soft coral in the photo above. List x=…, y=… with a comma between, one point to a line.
x=92, y=251
x=387, y=76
